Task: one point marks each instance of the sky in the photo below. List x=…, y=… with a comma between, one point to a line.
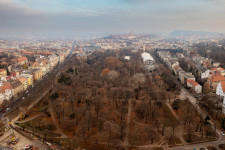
x=110, y=16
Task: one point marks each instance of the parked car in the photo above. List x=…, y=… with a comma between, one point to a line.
x=28, y=147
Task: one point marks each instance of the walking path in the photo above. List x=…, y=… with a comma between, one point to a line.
x=171, y=109
x=126, y=140
x=55, y=120
x=28, y=119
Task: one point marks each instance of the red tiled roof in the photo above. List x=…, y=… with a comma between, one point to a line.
x=213, y=68
x=28, y=52
x=192, y=82
x=36, y=64
x=6, y=85
x=21, y=59
x=45, y=53
x=217, y=78
x=48, y=53
x=219, y=69
x=1, y=70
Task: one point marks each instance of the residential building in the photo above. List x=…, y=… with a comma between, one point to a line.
x=6, y=90
x=29, y=78
x=35, y=65
x=219, y=71
x=37, y=74
x=175, y=69
x=22, y=60
x=194, y=85
x=214, y=80
x=205, y=74
x=186, y=76
x=15, y=73
x=216, y=64
x=220, y=90
x=17, y=86
x=181, y=74
x=53, y=59
x=3, y=72
x=23, y=80
x=45, y=66
x=61, y=57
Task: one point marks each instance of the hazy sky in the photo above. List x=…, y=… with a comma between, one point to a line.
x=110, y=16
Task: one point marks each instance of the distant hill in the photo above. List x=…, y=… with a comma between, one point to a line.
x=191, y=33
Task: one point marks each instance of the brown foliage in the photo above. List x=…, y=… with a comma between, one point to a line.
x=105, y=72
x=113, y=62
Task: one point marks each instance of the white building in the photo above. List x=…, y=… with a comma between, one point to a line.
x=6, y=91
x=146, y=57
x=8, y=94
x=54, y=59
x=205, y=75
x=127, y=58
x=220, y=90
x=148, y=60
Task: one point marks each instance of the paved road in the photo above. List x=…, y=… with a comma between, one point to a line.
x=201, y=145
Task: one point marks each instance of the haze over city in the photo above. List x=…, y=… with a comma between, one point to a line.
x=110, y=16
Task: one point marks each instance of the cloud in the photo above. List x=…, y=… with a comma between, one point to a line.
x=20, y=19
x=11, y=8
x=14, y=17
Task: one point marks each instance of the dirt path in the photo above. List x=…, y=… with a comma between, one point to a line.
x=179, y=133
x=126, y=140
x=28, y=119
x=171, y=109
x=55, y=120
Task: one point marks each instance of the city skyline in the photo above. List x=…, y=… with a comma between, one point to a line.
x=111, y=16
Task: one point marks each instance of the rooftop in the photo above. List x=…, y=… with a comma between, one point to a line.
x=217, y=78
x=192, y=82
x=146, y=56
